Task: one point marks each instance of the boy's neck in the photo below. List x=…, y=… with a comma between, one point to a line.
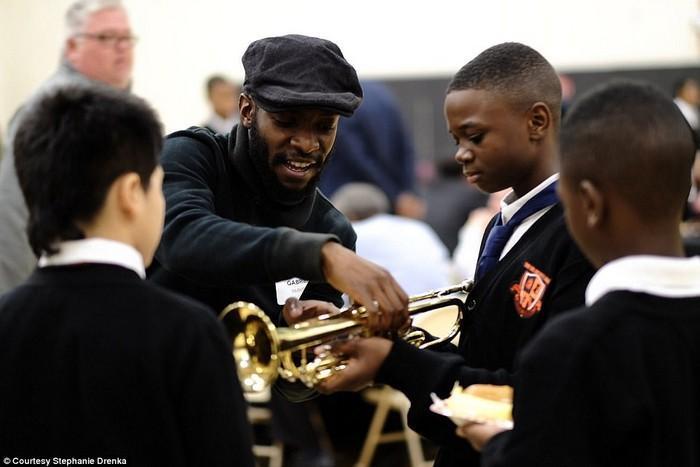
x=109, y=231
x=540, y=172
x=648, y=241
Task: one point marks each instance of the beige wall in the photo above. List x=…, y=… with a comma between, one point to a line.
x=183, y=41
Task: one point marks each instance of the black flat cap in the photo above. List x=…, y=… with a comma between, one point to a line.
x=299, y=71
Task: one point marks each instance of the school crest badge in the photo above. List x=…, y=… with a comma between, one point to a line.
x=528, y=293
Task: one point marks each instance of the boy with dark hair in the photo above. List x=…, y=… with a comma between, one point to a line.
x=98, y=49
x=616, y=382
x=503, y=110
x=95, y=361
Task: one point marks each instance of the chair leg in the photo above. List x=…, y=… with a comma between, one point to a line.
x=413, y=443
x=276, y=457
x=374, y=433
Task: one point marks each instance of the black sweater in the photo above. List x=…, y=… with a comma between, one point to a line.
x=225, y=240
x=614, y=385
x=493, y=330
x=96, y=362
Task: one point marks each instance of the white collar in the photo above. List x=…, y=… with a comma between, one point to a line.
x=96, y=250
x=510, y=206
x=656, y=275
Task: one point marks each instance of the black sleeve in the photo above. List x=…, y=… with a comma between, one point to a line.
x=323, y=290
x=213, y=412
x=297, y=391
x=582, y=398
x=211, y=250
x=417, y=373
x=552, y=410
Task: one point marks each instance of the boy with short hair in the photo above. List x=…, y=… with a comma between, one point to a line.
x=617, y=382
x=503, y=110
x=95, y=361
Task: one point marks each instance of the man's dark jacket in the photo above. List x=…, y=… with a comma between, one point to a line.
x=225, y=239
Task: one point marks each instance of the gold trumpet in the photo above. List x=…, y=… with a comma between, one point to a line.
x=262, y=351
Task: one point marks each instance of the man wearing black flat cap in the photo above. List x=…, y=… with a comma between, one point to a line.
x=244, y=219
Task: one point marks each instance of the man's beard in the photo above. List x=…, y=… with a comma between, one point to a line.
x=259, y=153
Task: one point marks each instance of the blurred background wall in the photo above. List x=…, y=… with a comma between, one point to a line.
x=415, y=46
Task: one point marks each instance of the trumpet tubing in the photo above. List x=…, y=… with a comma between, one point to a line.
x=263, y=351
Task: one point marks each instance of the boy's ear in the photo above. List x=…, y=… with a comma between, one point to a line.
x=129, y=194
x=539, y=120
x=246, y=109
x=593, y=203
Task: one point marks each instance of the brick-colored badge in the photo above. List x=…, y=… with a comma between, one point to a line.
x=528, y=293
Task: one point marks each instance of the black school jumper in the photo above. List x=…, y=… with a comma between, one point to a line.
x=546, y=274
x=616, y=384
x=96, y=362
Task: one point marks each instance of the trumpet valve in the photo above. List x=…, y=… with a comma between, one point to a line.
x=414, y=336
x=325, y=364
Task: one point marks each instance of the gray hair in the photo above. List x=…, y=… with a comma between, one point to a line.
x=360, y=201
x=78, y=13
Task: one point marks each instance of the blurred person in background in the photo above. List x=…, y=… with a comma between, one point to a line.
x=450, y=199
x=408, y=248
x=98, y=50
x=686, y=95
x=466, y=253
x=374, y=146
x=222, y=94
x=568, y=92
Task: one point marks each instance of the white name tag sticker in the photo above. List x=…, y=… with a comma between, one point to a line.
x=293, y=287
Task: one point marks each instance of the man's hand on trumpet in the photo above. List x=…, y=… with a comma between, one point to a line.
x=296, y=310
x=367, y=284
x=363, y=358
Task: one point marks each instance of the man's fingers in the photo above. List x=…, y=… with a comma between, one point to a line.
x=375, y=314
x=399, y=307
x=295, y=310
x=313, y=308
x=393, y=310
x=292, y=310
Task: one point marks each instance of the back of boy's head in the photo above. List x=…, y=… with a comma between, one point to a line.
x=630, y=138
x=70, y=146
x=514, y=71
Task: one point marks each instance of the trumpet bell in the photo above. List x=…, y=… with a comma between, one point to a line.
x=255, y=345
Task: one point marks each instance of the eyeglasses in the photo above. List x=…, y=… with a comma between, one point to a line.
x=110, y=40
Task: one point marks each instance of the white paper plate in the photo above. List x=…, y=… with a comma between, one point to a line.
x=440, y=407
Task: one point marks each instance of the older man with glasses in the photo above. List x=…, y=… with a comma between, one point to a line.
x=98, y=49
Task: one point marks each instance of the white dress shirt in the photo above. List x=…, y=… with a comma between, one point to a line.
x=96, y=250
x=510, y=206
